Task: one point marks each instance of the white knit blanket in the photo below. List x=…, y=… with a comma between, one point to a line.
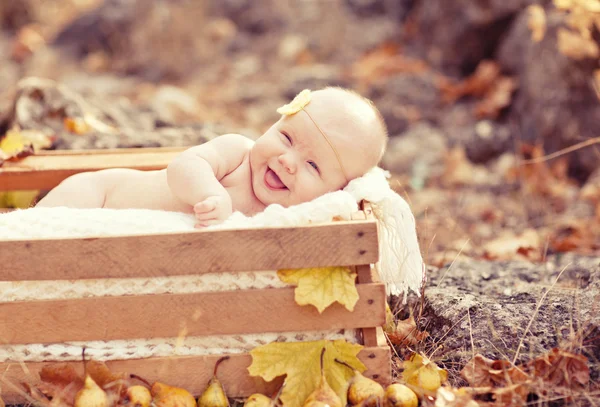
x=400, y=266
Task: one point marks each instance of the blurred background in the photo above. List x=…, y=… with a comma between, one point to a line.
x=475, y=94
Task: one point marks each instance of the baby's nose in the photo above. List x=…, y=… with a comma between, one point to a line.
x=288, y=162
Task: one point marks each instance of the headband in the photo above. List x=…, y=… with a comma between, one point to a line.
x=298, y=103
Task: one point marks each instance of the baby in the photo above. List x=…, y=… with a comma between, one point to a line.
x=323, y=140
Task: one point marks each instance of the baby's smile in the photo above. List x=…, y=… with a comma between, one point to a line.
x=273, y=181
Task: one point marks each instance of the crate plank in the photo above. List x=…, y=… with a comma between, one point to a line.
x=45, y=170
x=191, y=372
x=165, y=315
x=341, y=243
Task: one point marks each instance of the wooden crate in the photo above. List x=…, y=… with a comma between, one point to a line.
x=346, y=243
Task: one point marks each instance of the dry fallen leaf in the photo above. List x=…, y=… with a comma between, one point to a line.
x=508, y=246
x=537, y=22
x=497, y=98
x=576, y=46
x=385, y=61
x=483, y=372
x=559, y=368
x=300, y=363
x=322, y=287
x=406, y=333
x=423, y=374
x=60, y=381
x=508, y=383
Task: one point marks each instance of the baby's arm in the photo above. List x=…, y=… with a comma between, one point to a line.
x=194, y=176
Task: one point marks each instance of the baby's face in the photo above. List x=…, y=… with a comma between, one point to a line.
x=293, y=162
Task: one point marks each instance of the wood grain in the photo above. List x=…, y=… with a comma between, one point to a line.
x=45, y=170
x=166, y=315
x=341, y=243
x=190, y=372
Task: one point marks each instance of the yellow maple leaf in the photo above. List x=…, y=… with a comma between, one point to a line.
x=424, y=374
x=17, y=140
x=300, y=363
x=20, y=143
x=321, y=287
x=301, y=100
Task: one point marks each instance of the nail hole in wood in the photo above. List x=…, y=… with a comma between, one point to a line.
x=370, y=302
x=371, y=356
x=375, y=376
x=361, y=252
x=361, y=234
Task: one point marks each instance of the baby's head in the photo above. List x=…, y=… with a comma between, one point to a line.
x=323, y=140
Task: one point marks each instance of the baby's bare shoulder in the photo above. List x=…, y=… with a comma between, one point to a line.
x=235, y=140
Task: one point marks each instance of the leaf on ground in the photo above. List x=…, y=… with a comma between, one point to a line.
x=536, y=22
x=322, y=287
x=483, y=372
x=300, y=363
x=423, y=374
x=570, y=234
x=508, y=246
x=506, y=382
x=559, y=368
x=384, y=61
x=406, y=333
x=18, y=143
x=60, y=381
x=576, y=46
x=497, y=98
x=478, y=84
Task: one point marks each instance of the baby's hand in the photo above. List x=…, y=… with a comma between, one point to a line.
x=213, y=210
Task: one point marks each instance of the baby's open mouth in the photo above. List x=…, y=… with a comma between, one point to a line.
x=273, y=181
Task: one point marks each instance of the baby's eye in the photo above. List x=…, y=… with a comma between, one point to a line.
x=314, y=165
x=289, y=139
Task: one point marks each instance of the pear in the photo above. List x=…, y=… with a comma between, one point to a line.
x=91, y=395
x=362, y=390
x=214, y=395
x=138, y=396
x=399, y=395
x=256, y=400
x=323, y=395
x=164, y=395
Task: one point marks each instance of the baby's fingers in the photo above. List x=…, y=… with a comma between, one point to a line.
x=205, y=223
x=206, y=215
x=205, y=206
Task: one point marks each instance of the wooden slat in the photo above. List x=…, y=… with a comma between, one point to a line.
x=46, y=170
x=341, y=243
x=165, y=315
x=191, y=372
x=367, y=275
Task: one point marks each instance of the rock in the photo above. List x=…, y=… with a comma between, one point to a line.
x=15, y=14
x=155, y=39
x=405, y=99
x=420, y=152
x=456, y=35
x=556, y=102
x=483, y=140
x=490, y=307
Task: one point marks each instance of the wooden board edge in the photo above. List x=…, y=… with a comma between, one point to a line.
x=189, y=372
x=339, y=243
x=198, y=314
